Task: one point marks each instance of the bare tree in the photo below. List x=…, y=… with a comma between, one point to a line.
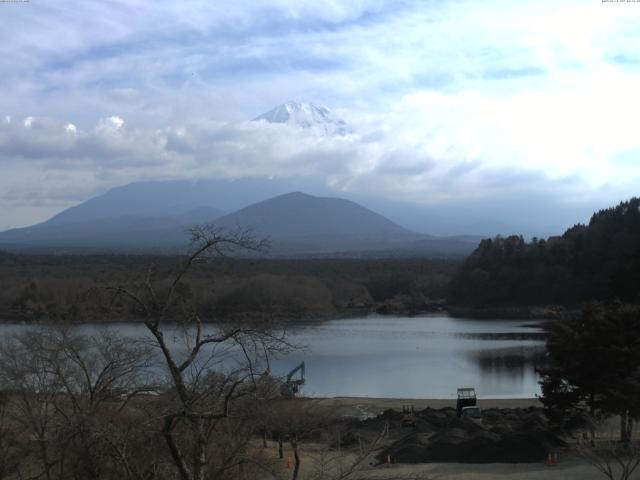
x=305, y=424
x=294, y=421
x=66, y=392
x=214, y=369
x=33, y=392
x=614, y=459
x=9, y=454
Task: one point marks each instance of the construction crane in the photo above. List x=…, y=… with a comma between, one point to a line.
x=289, y=388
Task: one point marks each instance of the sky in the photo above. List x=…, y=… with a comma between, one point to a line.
x=521, y=109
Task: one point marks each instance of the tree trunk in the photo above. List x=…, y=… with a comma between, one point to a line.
x=296, y=458
x=592, y=412
x=200, y=454
x=280, y=450
x=625, y=427
x=45, y=457
x=176, y=454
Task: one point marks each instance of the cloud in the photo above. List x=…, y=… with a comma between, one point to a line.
x=452, y=101
x=393, y=160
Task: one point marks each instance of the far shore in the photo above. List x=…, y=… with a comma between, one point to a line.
x=363, y=407
x=315, y=317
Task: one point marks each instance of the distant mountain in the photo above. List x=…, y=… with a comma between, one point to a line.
x=318, y=119
x=178, y=197
x=301, y=223
x=298, y=213
x=111, y=233
x=297, y=224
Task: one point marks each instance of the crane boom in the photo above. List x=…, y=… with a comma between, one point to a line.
x=293, y=372
x=289, y=388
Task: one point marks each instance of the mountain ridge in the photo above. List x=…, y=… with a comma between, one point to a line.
x=297, y=223
x=302, y=210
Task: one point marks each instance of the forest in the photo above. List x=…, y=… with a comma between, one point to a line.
x=597, y=261
x=71, y=288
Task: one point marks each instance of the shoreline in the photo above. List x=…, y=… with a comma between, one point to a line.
x=309, y=318
x=365, y=407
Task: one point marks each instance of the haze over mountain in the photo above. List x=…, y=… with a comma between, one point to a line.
x=110, y=233
x=175, y=197
x=296, y=223
x=303, y=224
x=318, y=119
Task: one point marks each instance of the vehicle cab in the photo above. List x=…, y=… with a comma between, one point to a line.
x=474, y=413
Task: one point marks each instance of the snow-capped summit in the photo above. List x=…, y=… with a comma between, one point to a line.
x=319, y=119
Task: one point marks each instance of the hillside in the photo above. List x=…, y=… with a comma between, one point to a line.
x=297, y=224
x=301, y=224
x=121, y=232
x=174, y=197
x=297, y=213
x=598, y=261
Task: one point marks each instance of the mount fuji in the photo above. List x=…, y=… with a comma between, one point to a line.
x=318, y=119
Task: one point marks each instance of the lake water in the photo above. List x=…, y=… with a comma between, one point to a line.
x=418, y=357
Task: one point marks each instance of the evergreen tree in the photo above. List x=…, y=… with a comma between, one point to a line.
x=593, y=366
x=597, y=261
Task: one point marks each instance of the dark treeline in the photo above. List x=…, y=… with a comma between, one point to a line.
x=599, y=261
x=592, y=369
x=67, y=288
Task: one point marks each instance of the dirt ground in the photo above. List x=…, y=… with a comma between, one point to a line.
x=569, y=468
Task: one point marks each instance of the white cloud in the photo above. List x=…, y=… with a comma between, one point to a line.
x=111, y=124
x=453, y=100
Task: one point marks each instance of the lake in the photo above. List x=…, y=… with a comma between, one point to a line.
x=426, y=356
x=420, y=357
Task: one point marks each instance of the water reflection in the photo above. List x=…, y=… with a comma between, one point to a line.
x=505, y=370
x=419, y=357
x=509, y=359
x=503, y=335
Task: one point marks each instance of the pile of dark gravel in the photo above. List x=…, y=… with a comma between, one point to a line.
x=504, y=436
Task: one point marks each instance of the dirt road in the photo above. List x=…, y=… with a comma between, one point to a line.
x=568, y=469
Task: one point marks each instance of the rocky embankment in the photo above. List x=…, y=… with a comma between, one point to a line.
x=502, y=436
